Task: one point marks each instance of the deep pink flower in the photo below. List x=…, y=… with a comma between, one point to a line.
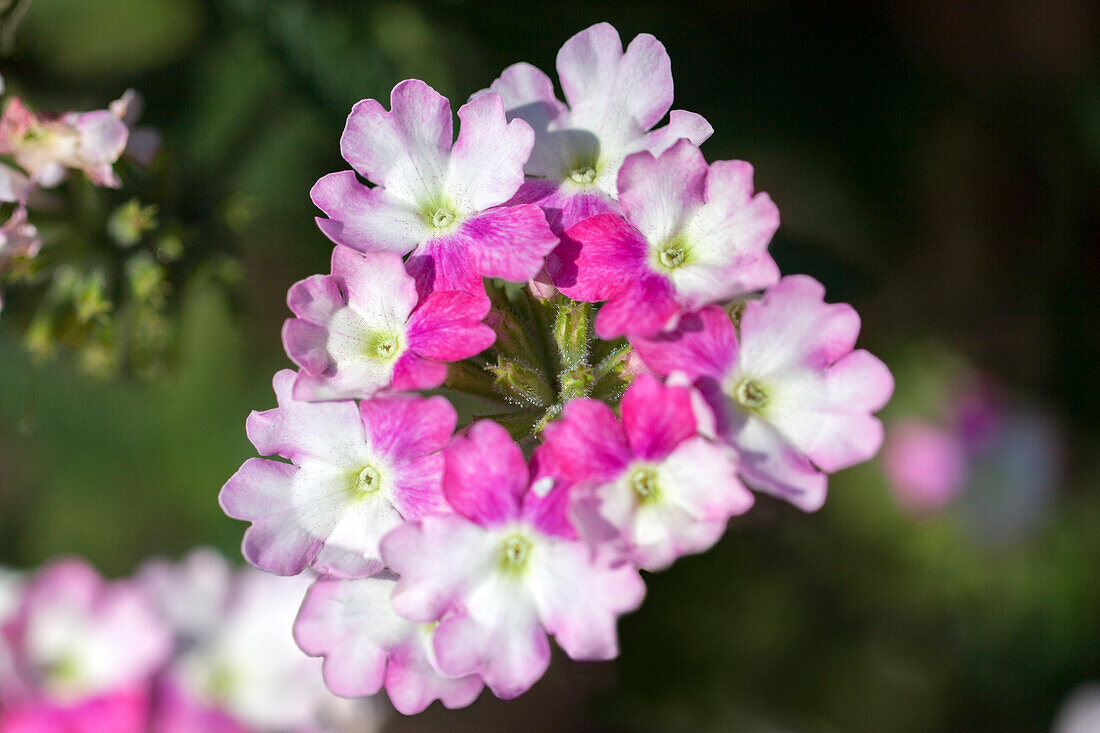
x=119, y=712
x=926, y=464
x=506, y=570
x=792, y=396
x=438, y=199
x=692, y=235
x=662, y=489
x=367, y=646
x=66, y=635
x=45, y=146
x=614, y=101
x=360, y=329
x=356, y=472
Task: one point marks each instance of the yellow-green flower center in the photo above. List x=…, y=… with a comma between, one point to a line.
x=582, y=174
x=368, y=480
x=644, y=483
x=442, y=218
x=750, y=395
x=673, y=257
x=514, y=553
x=383, y=346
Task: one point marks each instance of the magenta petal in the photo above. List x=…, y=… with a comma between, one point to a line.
x=657, y=418
x=588, y=442
x=597, y=259
x=550, y=513
x=443, y=263
x=412, y=372
x=485, y=474
x=646, y=307
x=447, y=326
x=509, y=242
x=406, y=427
x=703, y=344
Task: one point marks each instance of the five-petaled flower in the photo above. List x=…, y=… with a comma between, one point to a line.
x=360, y=330
x=506, y=569
x=356, y=472
x=691, y=236
x=438, y=200
x=614, y=101
x=790, y=394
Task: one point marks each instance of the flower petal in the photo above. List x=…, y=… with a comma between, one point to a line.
x=598, y=259
x=447, y=326
x=405, y=150
x=487, y=160
x=656, y=418
x=660, y=195
x=367, y=219
x=703, y=344
x=485, y=474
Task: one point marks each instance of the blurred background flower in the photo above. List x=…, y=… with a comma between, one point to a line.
x=937, y=165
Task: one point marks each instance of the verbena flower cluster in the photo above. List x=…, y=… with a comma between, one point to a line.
x=188, y=647
x=584, y=285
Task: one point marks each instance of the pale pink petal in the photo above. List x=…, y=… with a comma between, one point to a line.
x=925, y=464
x=304, y=431
x=612, y=92
x=793, y=328
x=406, y=149
x=438, y=560
x=367, y=219
x=681, y=125
x=14, y=186
x=656, y=418
x=579, y=598
x=261, y=492
x=770, y=464
x=486, y=165
x=447, y=326
x=485, y=474
x=528, y=95
x=367, y=646
x=375, y=283
x=659, y=195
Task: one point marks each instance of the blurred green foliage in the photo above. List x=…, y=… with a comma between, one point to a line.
x=936, y=164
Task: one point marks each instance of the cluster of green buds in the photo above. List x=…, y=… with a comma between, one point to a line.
x=546, y=353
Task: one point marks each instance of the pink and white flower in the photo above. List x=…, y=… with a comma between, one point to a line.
x=368, y=647
x=238, y=669
x=356, y=472
x=46, y=146
x=791, y=394
x=506, y=570
x=18, y=238
x=66, y=637
x=436, y=197
x=661, y=489
x=361, y=330
x=615, y=98
x=692, y=235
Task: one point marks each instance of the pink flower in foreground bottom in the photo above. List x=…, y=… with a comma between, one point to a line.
x=367, y=646
x=358, y=471
x=65, y=637
x=505, y=571
x=360, y=329
x=437, y=197
x=792, y=396
x=663, y=490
